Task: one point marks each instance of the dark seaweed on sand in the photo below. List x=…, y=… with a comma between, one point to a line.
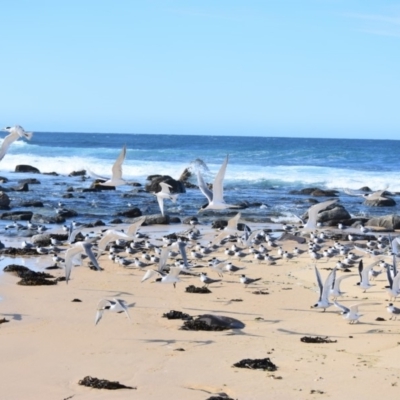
x=29, y=277
x=210, y=322
x=102, y=384
x=316, y=339
x=219, y=398
x=264, y=364
x=199, y=325
x=177, y=315
x=194, y=289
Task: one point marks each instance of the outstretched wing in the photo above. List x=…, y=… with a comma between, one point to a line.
x=218, y=186
x=117, y=167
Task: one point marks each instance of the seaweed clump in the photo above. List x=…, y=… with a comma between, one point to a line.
x=29, y=277
x=264, y=364
x=102, y=384
x=316, y=339
x=177, y=315
x=195, y=289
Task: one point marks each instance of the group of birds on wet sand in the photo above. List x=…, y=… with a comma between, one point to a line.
x=238, y=246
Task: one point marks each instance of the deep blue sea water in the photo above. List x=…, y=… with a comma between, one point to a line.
x=260, y=169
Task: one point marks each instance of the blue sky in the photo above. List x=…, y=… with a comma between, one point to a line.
x=311, y=68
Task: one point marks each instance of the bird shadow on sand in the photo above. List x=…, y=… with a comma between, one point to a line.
x=170, y=342
x=15, y=317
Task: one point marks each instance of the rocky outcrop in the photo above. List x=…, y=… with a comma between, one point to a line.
x=380, y=202
x=26, y=168
x=4, y=201
x=17, y=215
x=315, y=192
x=388, y=222
x=153, y=186
x=131, y=213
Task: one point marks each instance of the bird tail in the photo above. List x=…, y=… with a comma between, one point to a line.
x=28, y=135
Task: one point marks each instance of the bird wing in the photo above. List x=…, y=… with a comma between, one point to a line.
x=149, y=274
x=117, y=167
x=12, y=137
x=165, y=187
x=313, y=213
x=344, y=309
x=124, y=307
x=160, y=201
x=87, y=248
x=204, y=188
x=69, y=256
x=327, y=285
x=182, y=250
x=218, y=186
x=336, y=285
x=94, y=175
x=163, y=258
x=110, y=236
x=365, y=272
x=174, y=272
x=389, y=277
x=132, y=229
x=319, y=282
x=99, y=315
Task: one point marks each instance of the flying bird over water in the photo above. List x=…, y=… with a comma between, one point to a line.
x=216, y=196
x=15, y=133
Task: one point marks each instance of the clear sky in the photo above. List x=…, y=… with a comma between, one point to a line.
x=311, y=68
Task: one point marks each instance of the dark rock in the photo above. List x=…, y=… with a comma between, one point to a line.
x=50, y=173
x=390, y=222
x=3, y=179
x=4, y=201
x=70, y=189
x=77, y=301
x=174, y=220
x=26, y=168
x=65, y=213
x=154, y=185
x=116, y=221
x=264, y=364
x=102, y=384
x=381, y=202
x=98, y=222
x=67, y=196
x=45, y=219
x=17, y=215
x=157, y=219
x=3, y=320
x=177, y=315
x=23, y=187
x=365, y=189
x=131, y=213
x=42, y=239
x=30, y=181
x=380, y=319
x=97, y=185
x=289, y=236
x=32, y=203
x=316, y=339
x=78, y=173
x=210, y=322
x=325, y=193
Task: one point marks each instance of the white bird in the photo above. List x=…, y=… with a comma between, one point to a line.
x=248, y=281
x=115, y=305
x=230, y=228
x=351, y=314
x=163, y=194
x=335, y=291
x=116, y=178
x=15, y=132
x=73, y=251
x=364, y=275
x=171, y=277
x=109, y=236
x=391, y=309
x=394, y=285
x=324, y=289
x=216, y=196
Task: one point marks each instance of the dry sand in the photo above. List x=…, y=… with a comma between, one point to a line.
x=51, y=342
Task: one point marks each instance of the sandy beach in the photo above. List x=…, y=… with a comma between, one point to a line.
x=50, y=342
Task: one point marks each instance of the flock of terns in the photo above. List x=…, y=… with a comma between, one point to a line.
x=257, y=243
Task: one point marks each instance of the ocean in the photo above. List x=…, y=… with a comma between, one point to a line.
x=261, y=170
